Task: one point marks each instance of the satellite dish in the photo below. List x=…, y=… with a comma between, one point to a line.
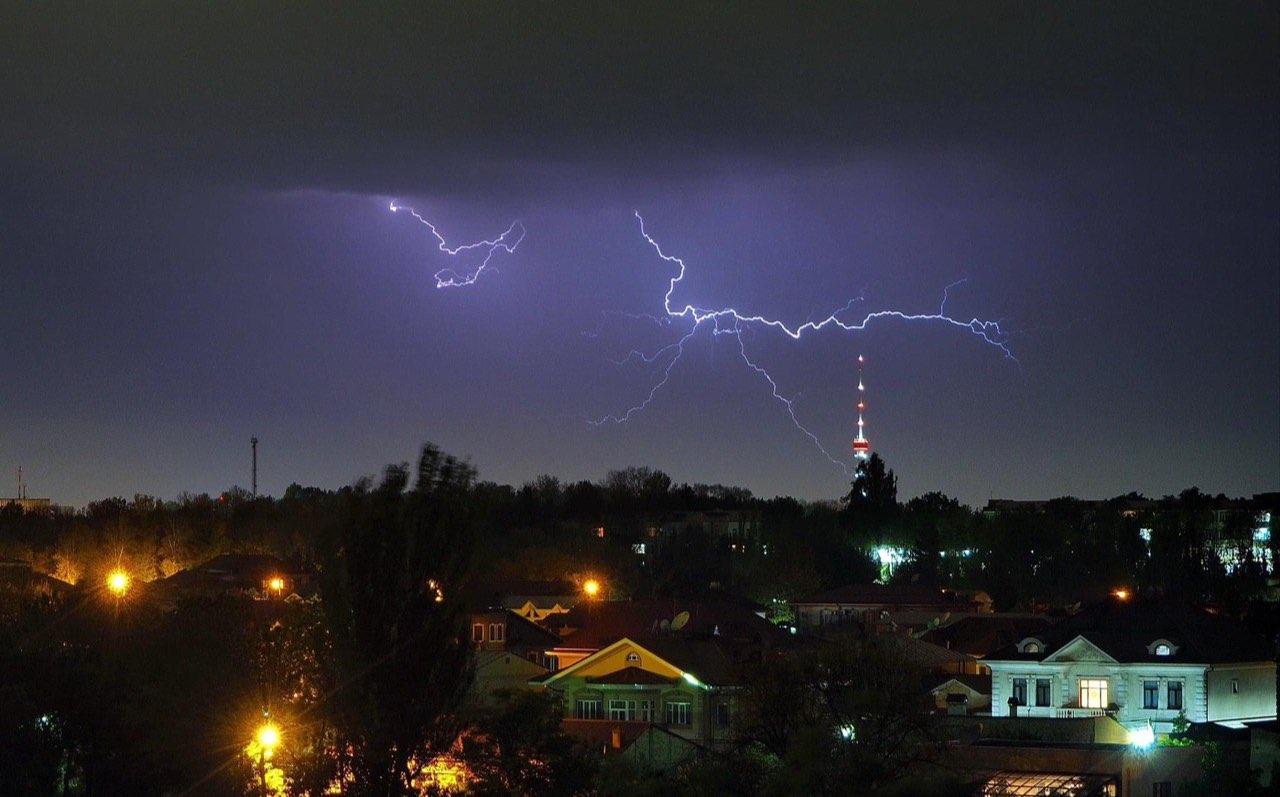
x=664, y=625
x=680, y=621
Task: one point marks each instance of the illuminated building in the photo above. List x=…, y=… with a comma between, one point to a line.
x=1143, y=664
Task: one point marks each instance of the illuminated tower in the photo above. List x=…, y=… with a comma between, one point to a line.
x=861, y=445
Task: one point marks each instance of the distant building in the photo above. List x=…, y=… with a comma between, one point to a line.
x=979, y=635
x=258, y=576
x=718, y=523
x=962, y=694
x=510, y=650
x=533, y=600
x=1142, y=664
x=28, y=504
x=886, y=607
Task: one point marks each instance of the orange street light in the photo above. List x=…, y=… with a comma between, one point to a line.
x=1120, y=594
x=268, y=738
x=591, y=587
x=275, y=584
x=118, y=582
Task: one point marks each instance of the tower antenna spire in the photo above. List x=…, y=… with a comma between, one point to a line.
x=861, y=445
x=253, y=443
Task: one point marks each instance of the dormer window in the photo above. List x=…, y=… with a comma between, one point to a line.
x=1162, y=647
x=1031, y=645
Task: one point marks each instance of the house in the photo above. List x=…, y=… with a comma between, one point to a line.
x=259, y=576
x=881, y=606
x=510, y=650
x=1142, y=663
x=962, y=694
x=533, y=600
x=685, y=685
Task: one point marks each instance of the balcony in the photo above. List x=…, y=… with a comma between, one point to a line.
x=1073, y=712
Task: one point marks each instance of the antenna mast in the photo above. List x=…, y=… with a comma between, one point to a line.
x=253, y=443
x=861, y=445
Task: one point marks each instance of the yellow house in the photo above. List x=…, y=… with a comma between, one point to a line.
x=685, y=687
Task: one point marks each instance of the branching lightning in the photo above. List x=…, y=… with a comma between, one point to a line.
x=450, y=278
x=730, y=321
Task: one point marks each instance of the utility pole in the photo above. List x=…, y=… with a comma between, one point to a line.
x=253, y=442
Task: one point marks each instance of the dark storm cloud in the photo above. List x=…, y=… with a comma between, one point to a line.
x=421, y=95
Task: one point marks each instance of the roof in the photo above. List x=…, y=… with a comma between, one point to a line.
x=1125, y=630
x=886, y=595
x=1006, y=783
x=978, y=683
x=981, y=634
x=592, y=625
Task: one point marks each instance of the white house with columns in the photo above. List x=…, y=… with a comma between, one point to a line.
x=1143, y=664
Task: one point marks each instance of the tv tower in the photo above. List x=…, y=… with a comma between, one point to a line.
x=861, y=445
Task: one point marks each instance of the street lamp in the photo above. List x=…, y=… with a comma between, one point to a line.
x=266, y=739
x=118, y=582
x=591, y=587
x=275, y=584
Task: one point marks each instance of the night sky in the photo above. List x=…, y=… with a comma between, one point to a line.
x=195, y=244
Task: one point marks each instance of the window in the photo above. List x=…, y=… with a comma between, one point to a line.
x=1093, y=693
x=1151, y=694
x=1235, y=686
x=622, y=709
x=1162, y=788
x=1163, y=650
x=1031, y=647
x=1020, y=691
x=678, y=713
x=1175, y=695
x=722, y=715
x=497, y=632
x=477, y=632
x=1043, y=687
x=587, y=710
x=645, y=711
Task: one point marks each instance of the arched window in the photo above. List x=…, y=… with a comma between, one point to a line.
x=1162, y=647
x=1031, y=645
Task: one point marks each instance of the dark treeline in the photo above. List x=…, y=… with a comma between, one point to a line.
x=1066, y=551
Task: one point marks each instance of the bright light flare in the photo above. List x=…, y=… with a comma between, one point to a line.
x=1121, y=594
x=276, y=584
x=268, y=738
x=118, y=582
x=591, y=588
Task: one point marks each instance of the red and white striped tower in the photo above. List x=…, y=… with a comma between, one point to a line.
x=861, y=445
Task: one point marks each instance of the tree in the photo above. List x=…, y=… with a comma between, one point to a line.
x=517, y=747
x=393, y=564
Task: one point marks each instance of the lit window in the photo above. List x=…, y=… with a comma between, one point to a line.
x=1032, y=647
x=497, y=632
x=1093, y=693
x=477, y=632
x=1175, y=696
x=1163, y=649
x=587, y=710
x=678, y=713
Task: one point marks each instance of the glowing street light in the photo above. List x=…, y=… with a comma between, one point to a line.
x=591, y=587
x=275, y=584
x=1120, y=593
x=268, y=738
x=118, y=582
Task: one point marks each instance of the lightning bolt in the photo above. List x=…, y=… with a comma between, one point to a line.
x=730, y=321
x=450, y=278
